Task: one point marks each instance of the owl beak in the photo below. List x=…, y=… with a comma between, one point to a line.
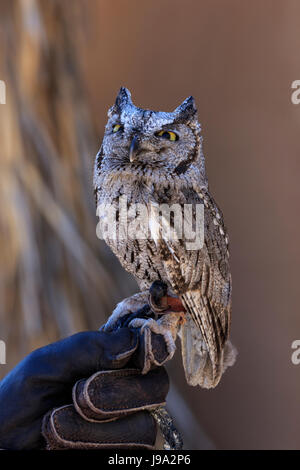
x=133, y=148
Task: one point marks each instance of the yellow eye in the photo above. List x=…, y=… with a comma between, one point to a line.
x=168, y=135
x=117, y=127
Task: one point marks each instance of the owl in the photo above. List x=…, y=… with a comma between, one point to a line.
x=149, y=159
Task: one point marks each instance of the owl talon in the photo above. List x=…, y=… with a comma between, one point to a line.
x=130, y=306
x=182, y=319
x=124, y=321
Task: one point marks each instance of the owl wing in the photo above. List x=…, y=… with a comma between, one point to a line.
x=201, y=277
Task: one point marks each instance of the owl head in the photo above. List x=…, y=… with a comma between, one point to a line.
x=138, y=140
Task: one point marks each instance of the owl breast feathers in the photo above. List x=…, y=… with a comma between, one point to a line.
x=149, y=159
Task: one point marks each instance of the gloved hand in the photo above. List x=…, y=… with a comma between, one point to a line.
x=44, y=380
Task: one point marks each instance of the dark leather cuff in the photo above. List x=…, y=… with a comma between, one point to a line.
x=100, y=397
x=64, y=428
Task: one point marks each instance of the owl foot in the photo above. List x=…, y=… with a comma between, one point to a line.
x=125, y=320
x=136, y=304
x=148, y=327
x=153, y=312
x=167, y=326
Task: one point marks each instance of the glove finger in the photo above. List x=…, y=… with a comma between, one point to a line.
x=81, y=355
x=110, y=394
x=64, y=428
x=152, y=351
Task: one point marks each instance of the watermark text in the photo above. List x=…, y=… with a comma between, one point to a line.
x=295, y=358
x=2, y=92
x=295, y=96
x=2, y=352
x=168, y=222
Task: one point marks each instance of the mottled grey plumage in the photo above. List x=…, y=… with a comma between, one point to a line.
x=153, y=170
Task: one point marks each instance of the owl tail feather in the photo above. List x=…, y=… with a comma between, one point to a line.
x=198, y=366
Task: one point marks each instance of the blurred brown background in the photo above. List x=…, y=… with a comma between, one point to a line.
x=63, y=63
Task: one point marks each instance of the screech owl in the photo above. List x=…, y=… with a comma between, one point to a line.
x=156, y=158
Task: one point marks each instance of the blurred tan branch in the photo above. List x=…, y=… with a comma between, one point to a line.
x=53, y=281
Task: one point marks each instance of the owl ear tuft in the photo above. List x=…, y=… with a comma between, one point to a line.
x=186, y=110
x=123, y=98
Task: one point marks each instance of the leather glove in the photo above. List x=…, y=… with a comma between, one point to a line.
x=44, y=380
x=109, y=411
